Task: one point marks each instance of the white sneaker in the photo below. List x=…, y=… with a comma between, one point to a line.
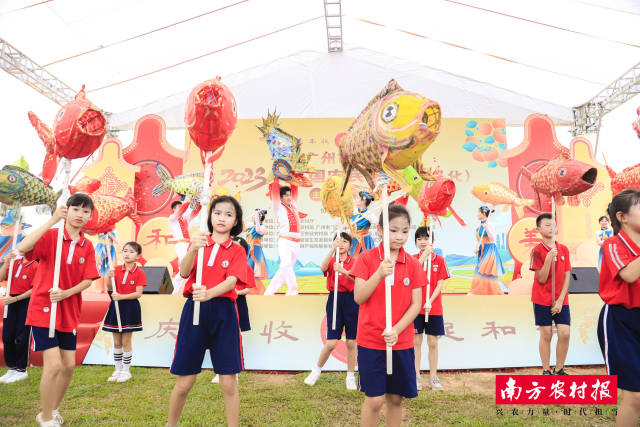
x=57, y=416
x=351, y=383
x=124, y=377
x=436, y=384
x=114, y=377
x=312, y=378
x=7, y=375
x=50, y=423
x=215, y=380
x=17, y=376
x=418, y=382
x=292, y=293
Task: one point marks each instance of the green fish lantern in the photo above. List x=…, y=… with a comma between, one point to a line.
x=19, y=187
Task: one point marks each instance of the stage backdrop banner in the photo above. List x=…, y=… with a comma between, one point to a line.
x=288, y=333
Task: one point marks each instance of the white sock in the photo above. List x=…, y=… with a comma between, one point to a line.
x=351, y=374
x=317, y=369
x=117, y=357
x=126, y=360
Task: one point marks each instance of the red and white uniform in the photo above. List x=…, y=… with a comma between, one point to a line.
x=221, y=261
x=78, y=263
x=621, y=250
x=345, y=284
x=23, y=273
x=288, y=241
x=541, y=292
x=128, y=280
x=439, y=271
x=407, y=276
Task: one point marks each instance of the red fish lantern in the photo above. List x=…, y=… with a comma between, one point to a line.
x=435, y=198
x=210, y=114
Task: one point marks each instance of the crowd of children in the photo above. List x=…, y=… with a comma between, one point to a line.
x=215, y=312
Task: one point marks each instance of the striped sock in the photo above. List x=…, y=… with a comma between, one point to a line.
x=126, y=360
x=117, y=357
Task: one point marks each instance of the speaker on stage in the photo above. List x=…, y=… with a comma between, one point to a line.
x=158, y=281
x=584, y=280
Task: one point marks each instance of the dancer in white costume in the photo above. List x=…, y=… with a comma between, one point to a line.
x=284, y=207
x=179, y=223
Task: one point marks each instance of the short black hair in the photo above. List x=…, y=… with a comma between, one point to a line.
x=80, y=199
x=242, y=242
x=176, y=203
x=135, y=246
x=622, y=202
x=345, y=236
x=238, y=227
x=543, y=216
x=604, y=217
x=396, y=211
x=284, y=190
x=423, y=232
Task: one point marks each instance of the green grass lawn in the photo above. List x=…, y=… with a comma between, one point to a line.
x=274, y=399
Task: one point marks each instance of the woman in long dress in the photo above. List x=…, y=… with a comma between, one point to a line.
x=489, y=267
x=254, y=238
x=361, y=222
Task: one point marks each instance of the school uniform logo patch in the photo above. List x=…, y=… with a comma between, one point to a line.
x=562, y=258
x=131, y=283
x=435, y=268
x=81, y=260
x=225, y=264
x=45, y=309
x=406, y=281
x=24, y=277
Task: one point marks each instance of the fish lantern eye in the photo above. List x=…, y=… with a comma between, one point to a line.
x=562, y=172
x=233, y=106
x=390, y=112
x=486, y=193
x=12, y=179
x=415, y=178
x=60, y=114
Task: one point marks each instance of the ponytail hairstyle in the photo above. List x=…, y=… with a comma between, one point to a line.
x=486, y=210
x=622, y=202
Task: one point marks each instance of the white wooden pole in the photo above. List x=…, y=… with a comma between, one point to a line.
x=388, y=282
x=204, y=202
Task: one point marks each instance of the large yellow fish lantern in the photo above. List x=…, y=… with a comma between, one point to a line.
x=339, y=206
x=390, y=134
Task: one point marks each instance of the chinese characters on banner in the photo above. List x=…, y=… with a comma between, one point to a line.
x=555, y=390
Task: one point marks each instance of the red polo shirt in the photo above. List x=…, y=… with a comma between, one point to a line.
x=541, y=292
x=345, y=284
x=23, y=273
x=250, y=282
x=617, y=252
x=439, y=271
x=227, y=260
x=78, y=263
x=128, y=280
x=371, y=318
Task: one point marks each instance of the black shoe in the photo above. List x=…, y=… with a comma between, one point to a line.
x=559, y=372
x=546, y=372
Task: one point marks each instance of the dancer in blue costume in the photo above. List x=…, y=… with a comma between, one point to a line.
x=489, y=267
x=603, y=234
x=361, y=222
x=255, y=233
x=106, y=243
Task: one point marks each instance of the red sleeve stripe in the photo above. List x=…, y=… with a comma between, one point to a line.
x=613, y=252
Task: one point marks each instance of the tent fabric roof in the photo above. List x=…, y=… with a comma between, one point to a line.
x=479, y=58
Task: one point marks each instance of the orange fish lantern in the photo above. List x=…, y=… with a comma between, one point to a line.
x=562, y=176
x=78, y=131
x=435, y=198
x=629, y=178
x=210, y=114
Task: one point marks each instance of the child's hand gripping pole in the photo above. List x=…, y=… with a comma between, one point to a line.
x=388, y=281
x=16, y=209
x=113, y=285
x=204, y=202
x=58, y=259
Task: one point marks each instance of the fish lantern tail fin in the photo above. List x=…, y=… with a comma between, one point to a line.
x=457, y=217
x=51, y=159
x=163, y=187
x=54, y=203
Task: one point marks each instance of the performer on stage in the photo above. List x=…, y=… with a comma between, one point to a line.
x=603, y=234
x=489, y=267
x=362, y=221
x=284, y=206
x=254, y=239
x=179, y=222
x=106, y=243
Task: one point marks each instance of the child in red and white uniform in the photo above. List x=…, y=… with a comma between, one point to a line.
x=129, y=279
x=619, y=322
x=542, y=260
x=347, y=309
x=225, y=264
x=370, y=272
x=430, y=320
x=77, y=271
x=15, y=333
